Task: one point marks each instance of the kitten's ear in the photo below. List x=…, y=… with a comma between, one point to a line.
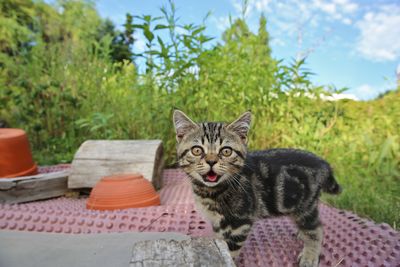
x=183, y=124
x=241, y=126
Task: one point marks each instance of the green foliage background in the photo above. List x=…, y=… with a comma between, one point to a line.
x=67, y=75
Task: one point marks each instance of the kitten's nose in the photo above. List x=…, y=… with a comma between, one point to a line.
x=211, y=159
x=211, y=162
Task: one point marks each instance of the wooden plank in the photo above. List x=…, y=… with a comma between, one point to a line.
x=7, y=182
x=87, y=173
x=170, y=253
x=98, y=158
x=118, y=150
x=29, y=188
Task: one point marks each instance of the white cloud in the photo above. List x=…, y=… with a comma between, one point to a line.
x=262, y=5
x=365, y=91
x=339, y=10
x=334, y=8
x=309, y=23
x=335, y=97
x=181, y=30
x=346, y=6
x=379, y=38
x=139, y=45
x=347, y=21
x=238, y=5
x=222, y=23
x=278, y=42
x=293, y=13
x=329, y=8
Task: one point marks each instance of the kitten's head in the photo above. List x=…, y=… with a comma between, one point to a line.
x=211, y=152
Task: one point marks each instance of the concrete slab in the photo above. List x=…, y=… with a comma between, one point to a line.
x=22, y=249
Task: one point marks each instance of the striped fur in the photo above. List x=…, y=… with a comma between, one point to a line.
x=234, y=188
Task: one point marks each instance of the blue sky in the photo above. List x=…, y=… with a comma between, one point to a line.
x=348, y=43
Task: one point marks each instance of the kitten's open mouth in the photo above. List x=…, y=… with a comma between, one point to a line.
x=211, y=177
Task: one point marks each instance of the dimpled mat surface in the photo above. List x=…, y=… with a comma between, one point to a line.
x=348, y=239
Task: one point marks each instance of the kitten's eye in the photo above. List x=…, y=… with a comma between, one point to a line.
x=226, y=151
x=197, y=151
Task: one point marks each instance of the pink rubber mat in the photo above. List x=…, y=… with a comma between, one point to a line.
x=54, y=168
x=348, y=239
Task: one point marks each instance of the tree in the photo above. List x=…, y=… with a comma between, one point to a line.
x=122, y=42
x=242, y=65
x=16, y=25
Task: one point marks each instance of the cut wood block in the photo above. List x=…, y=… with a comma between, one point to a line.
x=36, y=187
x=98, y=158
x=170, y=253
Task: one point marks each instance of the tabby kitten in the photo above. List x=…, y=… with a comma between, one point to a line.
x=234, y=188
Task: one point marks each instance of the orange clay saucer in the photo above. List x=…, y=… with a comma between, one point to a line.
x=122, y=191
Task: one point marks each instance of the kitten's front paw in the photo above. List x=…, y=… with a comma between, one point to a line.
x=308, y=258
x=234, y=254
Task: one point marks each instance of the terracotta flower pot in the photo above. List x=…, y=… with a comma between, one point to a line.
x=121, y=192
x=15, y=154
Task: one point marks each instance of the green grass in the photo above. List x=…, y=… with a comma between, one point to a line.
x=367, y=160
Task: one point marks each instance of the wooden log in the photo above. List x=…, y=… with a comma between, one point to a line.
x=98, y=158
x=36, y=187
x=170, y=253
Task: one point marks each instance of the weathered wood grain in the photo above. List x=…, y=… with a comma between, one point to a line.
x=98, y=158
x=170, y=253
x=36, y=187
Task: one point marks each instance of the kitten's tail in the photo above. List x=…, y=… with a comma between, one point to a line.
x=331, y=186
